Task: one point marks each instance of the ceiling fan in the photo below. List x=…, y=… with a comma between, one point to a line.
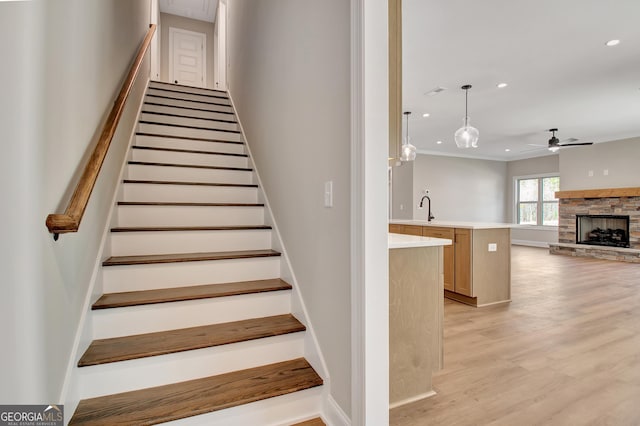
x=555, y=144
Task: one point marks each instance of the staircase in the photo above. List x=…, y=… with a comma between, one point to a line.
x=195, y=325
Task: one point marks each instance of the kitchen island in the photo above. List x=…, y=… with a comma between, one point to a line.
x=477, y=267
x=415, y=315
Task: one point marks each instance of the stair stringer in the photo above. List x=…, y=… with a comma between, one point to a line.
x=312, y=350
x=70, y=393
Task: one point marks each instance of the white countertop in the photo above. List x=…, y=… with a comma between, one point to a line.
x=453, y=224
x=406, y=241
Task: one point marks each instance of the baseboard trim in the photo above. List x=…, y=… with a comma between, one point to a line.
x=412, y=399
x=529, y=243
x=471, y=301
x=500, y=302
x=332, y=413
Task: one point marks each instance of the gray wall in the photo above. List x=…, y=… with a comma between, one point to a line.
x=402, y=191
x=67, y=62
x=461, y=189
x=290, y=80
x=620, y=158
x=166, y=21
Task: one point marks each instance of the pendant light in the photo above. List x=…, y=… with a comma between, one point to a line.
x=408, y=150
x=466, y=136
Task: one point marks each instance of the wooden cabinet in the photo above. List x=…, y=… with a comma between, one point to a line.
x=446, y=233
x=463, y=262
x=406, y=229
x=477, y=267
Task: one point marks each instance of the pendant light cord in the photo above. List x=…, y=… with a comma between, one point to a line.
x=406, y=114
x=466, y=107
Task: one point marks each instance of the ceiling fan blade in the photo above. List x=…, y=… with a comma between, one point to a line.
x=576, y=144
x=537, y=144
x=568, y=140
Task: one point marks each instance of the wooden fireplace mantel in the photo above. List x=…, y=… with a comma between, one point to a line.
x=600, y=193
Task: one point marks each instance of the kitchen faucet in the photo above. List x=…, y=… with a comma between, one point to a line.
x=429, y=215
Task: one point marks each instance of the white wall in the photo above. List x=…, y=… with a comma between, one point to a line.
x=66, y=70
x=289, y=74
x=619, y=158
x=167, y=21
x=461, y=189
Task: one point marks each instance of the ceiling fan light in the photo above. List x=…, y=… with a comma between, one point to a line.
x=554, y=148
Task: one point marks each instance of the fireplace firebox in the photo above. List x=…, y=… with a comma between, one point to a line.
x=602, y=230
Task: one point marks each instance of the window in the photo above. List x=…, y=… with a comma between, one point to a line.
x=536, y=200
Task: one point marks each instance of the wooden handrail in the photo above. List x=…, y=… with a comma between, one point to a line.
x=70, y=220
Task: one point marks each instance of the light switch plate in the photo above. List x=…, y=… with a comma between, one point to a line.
x=493, y=247
x=328, y=193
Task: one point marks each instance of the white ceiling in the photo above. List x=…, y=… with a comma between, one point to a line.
x=552, y=54
x=202, y=10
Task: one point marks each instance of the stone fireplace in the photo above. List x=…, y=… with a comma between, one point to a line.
x=610, y=214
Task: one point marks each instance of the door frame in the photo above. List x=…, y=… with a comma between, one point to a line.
x=172, y=32
x=220, y=48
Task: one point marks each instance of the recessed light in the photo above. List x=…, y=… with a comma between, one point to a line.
x=501, y=85
x=507, y=150
x=426, y=114
x=439, y=142
x=612, y=43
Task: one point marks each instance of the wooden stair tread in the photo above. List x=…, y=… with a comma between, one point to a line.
x=186, y=257
x=177, y=294
x=189, y=138
x=190, y=166
x=168, y=114
x=116, y=349
x=191, y=108
x=175, y=401
x=184, y=204
x=189, y=151
x=173, y=98
x=186, y=126
x=157, y=83
x=313, y=422
x=218, y=95
x=171, y=182
x=189, y=228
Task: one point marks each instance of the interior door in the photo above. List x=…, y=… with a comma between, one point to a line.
x=187, y=54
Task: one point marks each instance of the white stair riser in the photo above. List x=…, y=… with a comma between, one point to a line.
x=282, y=410
x=167, y=242
x=183, y=121
x=187, y=132
x=187, y=174
x=177, y=143
x=189, y=112
x=188, y=89
x=189, y=216
x=155, y=156
x=160, y=370
x=180, y=274
x=211, y=97
x=188, y=193
x=188, y=104
x=134, y=320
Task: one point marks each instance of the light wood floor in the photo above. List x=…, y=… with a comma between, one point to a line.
x=566, y=351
